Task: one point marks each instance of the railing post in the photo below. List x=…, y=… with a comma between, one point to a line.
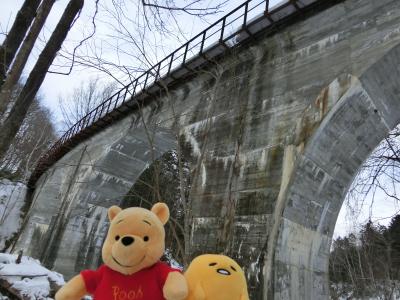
x=147, y=77
x=186, y=50
x=246, y=9
x=84, y=122
x=119, y=94
x=109, y=104
x=116, y=101
x=90, y=120
x=68, y=134
x=93, y=117
x=267, y=6
x=95, y=114
x=134, y=89
x=126, y=92
x=72, y=130
x=158, y=71
x=76, y=128
x=102, y=109
x=79, y=125
x=222, y=29
x=170, y=63
x=202, y=41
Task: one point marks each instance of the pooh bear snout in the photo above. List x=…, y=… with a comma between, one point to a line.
x=127, y=240
x=128, y=251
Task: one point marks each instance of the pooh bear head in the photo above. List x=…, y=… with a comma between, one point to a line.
x=135, y=239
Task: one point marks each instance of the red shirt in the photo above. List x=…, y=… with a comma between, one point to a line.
x=147, y=284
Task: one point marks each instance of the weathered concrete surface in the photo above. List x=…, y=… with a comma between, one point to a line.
x=323, y=172
x=275, y=133
x=67, y=220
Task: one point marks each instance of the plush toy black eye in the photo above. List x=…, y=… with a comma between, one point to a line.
x=233, y=269
x=117, y=238
x=212, y=264
x=146, y=238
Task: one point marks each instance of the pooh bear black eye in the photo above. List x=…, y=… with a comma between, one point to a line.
x=212, y=264
x=117, y=238
x=146, y=238
x=233, y=269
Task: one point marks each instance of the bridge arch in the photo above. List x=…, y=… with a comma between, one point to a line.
x=322, y=173
x=81, y=187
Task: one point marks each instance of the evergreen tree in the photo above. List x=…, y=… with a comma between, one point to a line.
x=161, y=182
x=366, y=263
x=394, y=236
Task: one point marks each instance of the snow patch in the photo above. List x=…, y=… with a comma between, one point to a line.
x=203, y=174
x=12, y=196
x=254, y=269
x=263, y=159
x=29, y=278
x=226, y=159
x=201, y=221
x=246, y=226
x=242, y=160
x=192, y=141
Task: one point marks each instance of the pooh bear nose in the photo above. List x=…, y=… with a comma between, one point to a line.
x=127, y=240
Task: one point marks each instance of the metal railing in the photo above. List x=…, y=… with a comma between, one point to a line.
x=236, y=27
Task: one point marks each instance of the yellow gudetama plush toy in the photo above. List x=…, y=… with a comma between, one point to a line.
x=216, y=277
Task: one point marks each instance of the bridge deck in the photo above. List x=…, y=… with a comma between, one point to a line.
x=252, y=18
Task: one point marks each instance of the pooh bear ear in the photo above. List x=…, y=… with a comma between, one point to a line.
x=161, y=210
x=113, y=211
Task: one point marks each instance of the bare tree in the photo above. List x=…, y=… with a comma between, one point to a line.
x=33, y=138
x=14, y=120
x=23, y=55
x=83, y=99
x=135, y=33
x=17, y=33
x=379, y=176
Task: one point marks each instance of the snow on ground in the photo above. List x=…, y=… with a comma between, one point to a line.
x=388, y=290
x=171, y=260
x=12, y=196
x=29, y=279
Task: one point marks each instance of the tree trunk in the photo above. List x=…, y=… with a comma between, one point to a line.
x=23, y=55
x=14, y=120
x=17, y=33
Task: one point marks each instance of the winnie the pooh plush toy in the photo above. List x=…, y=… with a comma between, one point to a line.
x=216, y=277
x=131, y=254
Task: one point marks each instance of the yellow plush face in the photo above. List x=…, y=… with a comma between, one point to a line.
x=216, y=277
x=135, y=239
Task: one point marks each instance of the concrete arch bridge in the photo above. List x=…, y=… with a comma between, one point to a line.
x=276, y=118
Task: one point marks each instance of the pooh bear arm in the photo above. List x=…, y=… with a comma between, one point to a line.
x=173, y=283
x=75, y=289
x=175, y=287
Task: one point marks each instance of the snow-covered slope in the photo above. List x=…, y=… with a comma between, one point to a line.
x=12, y=196
x=29, y=279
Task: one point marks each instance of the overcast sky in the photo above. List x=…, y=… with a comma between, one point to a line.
x=55, y=86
